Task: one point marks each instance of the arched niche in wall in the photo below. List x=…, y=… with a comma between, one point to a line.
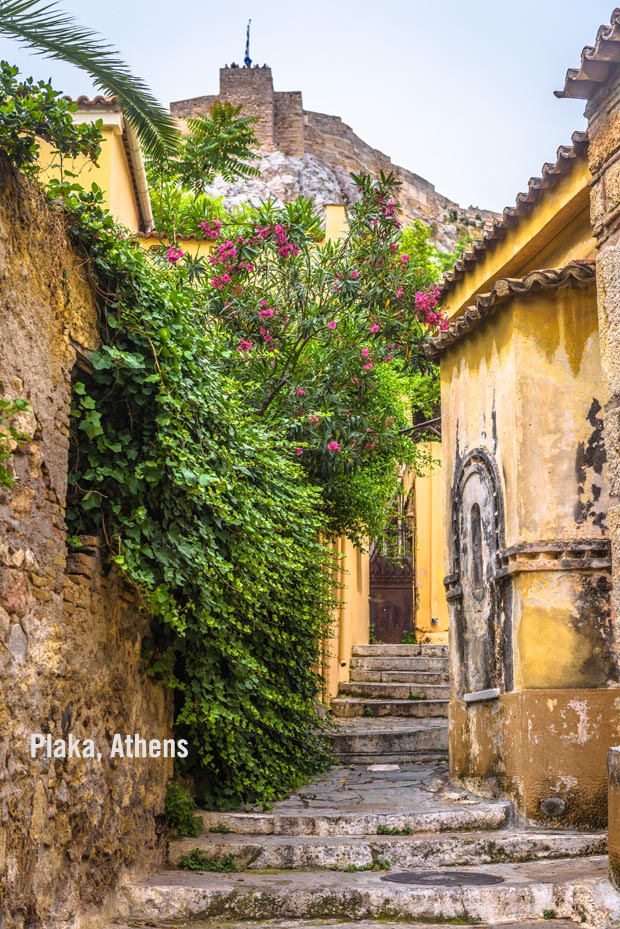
x=478, y=591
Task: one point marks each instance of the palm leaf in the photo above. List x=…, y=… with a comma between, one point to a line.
x=50, y=32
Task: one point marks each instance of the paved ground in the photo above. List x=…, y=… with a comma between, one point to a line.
x=356, y=788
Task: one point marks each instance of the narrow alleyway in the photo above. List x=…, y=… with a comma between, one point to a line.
x=336, y=849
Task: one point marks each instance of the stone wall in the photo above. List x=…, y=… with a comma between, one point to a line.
x=286, y=127
x=70, y=631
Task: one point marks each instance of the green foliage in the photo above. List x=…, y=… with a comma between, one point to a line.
x=220, y=828
x=409, y=638
x=210, y=518
x=393, y=830
x=548, y=914
x=418, y=695
x=9, y=435
x=180, y=806
x=221, y=143
x=32, y=111
x=198, y=861
x=379, y=864
x=224, y=142
x=52, y=33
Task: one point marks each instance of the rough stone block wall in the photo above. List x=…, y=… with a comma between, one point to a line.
x=70, y=632
x=252, y=89
x=193, y=107
x=289, y=124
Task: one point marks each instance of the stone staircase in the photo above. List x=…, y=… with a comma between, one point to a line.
x=395, y=706
x=333, y=854
x=331, y=851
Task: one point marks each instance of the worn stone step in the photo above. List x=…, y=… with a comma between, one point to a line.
x=405, y=651
x=372, y=690
x=417, y=678
x=402, y=852
x=396, y=663
x=352, y=759
x=375, y=737
x=324, y=924
x=411, y=709
x=479, y=815
x=570, y=889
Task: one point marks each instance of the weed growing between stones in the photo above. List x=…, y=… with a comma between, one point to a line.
x=196, y=860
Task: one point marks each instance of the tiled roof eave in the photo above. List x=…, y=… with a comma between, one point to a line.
x=552, y=173
x=598, y=61
x=576, y=273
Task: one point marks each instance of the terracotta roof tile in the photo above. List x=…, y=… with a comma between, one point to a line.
x=96, y=103
x=551, y=174
x=576, y=273
x=597, y=62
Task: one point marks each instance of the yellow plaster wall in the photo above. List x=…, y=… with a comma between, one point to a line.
x=351, y=624
x=478, y=402
x=428, y=556
x=557, y=359
x=111, y=174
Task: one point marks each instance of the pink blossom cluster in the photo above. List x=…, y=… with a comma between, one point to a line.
x=227, y=260
x=285, y=248
x=425, y=304
x=211, y=230
x=174, y=254
x=244, y=346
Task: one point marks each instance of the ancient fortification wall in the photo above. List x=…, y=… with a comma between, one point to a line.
x=286, y=127
x=71, y=635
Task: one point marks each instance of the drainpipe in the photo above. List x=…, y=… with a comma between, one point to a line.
x=142, y=187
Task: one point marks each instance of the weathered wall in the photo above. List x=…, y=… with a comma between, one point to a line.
x=431, y=608
x=351, y=624
x=71, y=636
x=603, y=113
x=526, y=387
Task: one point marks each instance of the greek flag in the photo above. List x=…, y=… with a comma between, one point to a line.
x=247, y=60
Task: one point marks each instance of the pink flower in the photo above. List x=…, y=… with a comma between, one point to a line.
x=375, y=327
x=404, y=259
x=267, y=337
x=332, y=324
x=244, y=346
x=394, y=246
x=299, y=451
x=399, y=293
x=336, y=288
x=225, y=279
x=389, y=358
x=369, y=366
x=173, y=254
x=355, y=274
x=444, y=325
x=266, y=314
x=300, y=391
x=365, y=352
x=333, y=447
x=313, y=418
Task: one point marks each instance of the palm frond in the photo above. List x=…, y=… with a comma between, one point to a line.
x=54, y=34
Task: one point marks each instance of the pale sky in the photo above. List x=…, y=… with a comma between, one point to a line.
x=459, y=92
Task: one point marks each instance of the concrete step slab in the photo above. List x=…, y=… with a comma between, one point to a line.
x=410, y=709
x=571, y=889
x=396, y=663
x=482, y=815
x=416, y=678
x=402, y=852
x=405, y=651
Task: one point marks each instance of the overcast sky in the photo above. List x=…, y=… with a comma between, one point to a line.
x=459, y=91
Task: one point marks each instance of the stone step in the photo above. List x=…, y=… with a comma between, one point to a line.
x=411, y=709
x=372, y=690
x=404, y=853
x=397, y=663
x=569, y=889
x=482, y=815
x=404, y=651
x=324, y=924
x=417, y=678
x=370, y=738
